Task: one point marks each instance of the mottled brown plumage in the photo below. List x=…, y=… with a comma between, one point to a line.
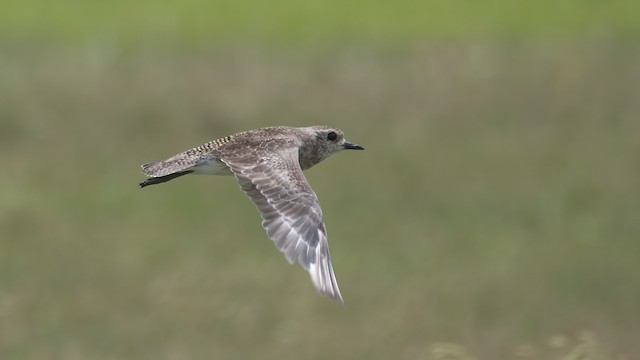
x=268, y=164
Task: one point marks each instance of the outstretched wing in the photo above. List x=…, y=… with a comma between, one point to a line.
x=290, y=212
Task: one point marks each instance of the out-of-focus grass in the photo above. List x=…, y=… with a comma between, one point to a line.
x=496, y=203
x=310, y=23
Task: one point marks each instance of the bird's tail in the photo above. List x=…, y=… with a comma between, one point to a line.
x=169, y=169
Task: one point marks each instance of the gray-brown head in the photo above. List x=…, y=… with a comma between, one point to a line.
x=320, y=142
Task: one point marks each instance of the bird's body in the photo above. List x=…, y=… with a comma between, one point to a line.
x=268, y=164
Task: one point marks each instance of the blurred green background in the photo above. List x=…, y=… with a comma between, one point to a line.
x=494, y=215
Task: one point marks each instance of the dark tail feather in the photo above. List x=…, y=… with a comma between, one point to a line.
x=161, y=179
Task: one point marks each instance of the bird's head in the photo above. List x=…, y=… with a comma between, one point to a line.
x=320, y=142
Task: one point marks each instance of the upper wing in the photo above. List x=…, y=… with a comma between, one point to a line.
x=290, y=211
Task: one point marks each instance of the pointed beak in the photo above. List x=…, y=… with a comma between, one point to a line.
x=349, y=146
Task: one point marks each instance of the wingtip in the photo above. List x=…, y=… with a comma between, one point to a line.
x=337, y=298
x=324, y=279
x=332, y=293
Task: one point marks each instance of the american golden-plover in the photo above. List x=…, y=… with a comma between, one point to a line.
x=268, y=165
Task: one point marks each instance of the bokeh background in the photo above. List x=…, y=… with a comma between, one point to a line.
x=494, y=215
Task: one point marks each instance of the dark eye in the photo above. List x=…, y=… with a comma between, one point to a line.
x=332, y=136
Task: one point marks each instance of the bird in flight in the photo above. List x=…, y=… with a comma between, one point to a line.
x=268, y=164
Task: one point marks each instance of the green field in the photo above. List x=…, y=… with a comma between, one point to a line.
x=327, y=23
x=494, y=215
